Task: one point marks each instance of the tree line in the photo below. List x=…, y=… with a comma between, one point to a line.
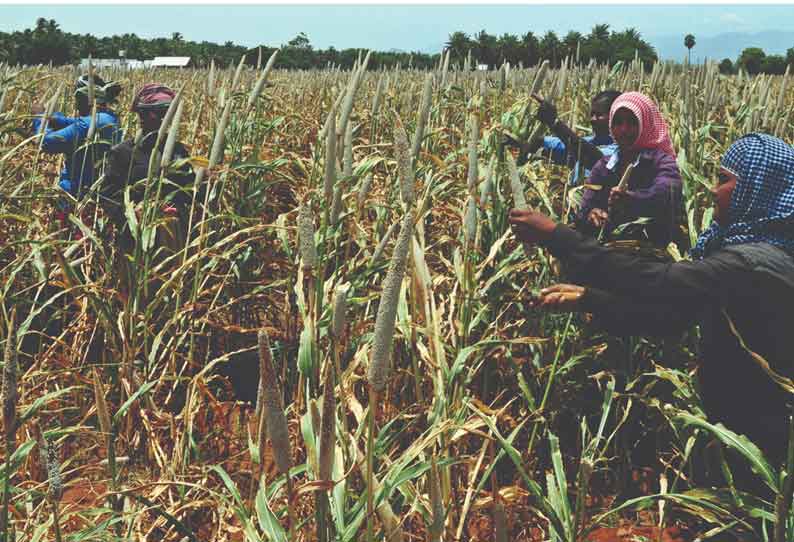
x=46, y=42
x=754, y=60
x=603, y=45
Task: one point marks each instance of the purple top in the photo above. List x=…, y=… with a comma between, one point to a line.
x=654, y=189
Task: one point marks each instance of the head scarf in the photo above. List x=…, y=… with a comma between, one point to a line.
x=762, y=204
x=153, y=96
x=654, y=133
x=104, y=93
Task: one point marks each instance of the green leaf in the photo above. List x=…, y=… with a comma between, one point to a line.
x=19, y=455
x=33, y=409
x=169, y=519
x=268, y=521
x=560, y=502
x=134, y=397
x=306, y=355
x=740, y=444
x=239, y=508
x=542, y=502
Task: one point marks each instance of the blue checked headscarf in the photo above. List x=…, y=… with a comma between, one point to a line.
x=762, y=204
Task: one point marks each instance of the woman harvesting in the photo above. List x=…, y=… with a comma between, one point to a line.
x=653, y=186
x=129, y=164
x=67, y=136
x=129, y=161
x=566, y=147
x=738, y=287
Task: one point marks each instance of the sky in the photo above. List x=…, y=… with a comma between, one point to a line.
x=384, y=27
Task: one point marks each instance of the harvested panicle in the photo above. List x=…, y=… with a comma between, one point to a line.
x=306, y=237
x=624, y=180
x=338, y=316
x=378, y=373
x=272, y=406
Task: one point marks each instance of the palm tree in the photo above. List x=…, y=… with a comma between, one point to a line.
x=689, y=42
x=600, y=32
x=550, y=47
x=459, y=43
x=597, y=44
x=509, y=49
x=531, y=48
x=570, y=43
x=486, y=48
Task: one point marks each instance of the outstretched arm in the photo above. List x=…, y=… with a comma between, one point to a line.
x=65, y=139
x=619, y=314
x=587, y=153
x=692, y=283
x=637, y=316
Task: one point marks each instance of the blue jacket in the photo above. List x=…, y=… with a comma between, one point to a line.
x=66, y=135
x=556, y=148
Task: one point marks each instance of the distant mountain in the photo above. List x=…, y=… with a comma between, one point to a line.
x=728, y=45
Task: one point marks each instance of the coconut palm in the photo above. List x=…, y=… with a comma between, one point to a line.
x=689, y=42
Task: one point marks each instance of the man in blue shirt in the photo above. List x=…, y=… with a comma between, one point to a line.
x=67, y=135
x=581, y=153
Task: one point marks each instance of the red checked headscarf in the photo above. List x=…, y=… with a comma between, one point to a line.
x=153, y=96
x=654, y=133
